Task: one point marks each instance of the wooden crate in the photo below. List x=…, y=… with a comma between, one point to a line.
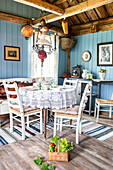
x=58, y=156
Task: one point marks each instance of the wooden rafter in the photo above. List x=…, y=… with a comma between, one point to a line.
x=22, y=20
x=100, y=25
x=14, y=18
x=76, y=9
x=42, y=5
x=59, y=2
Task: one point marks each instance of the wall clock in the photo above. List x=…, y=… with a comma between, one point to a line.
x=86, y=56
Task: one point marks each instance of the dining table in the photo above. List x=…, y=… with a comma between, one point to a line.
x=52, y=98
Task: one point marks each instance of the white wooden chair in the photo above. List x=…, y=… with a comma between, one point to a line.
x=74, y=113
x=17, y=110
x=71, y=83
x=102, y=103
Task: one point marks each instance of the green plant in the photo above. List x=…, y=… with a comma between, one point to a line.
x=44, y=166
x=38, y=161
x=102, y=70
x=65, y=146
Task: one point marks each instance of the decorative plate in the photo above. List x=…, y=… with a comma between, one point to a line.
x=86, y=56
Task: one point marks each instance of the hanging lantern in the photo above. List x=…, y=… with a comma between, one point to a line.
x=27, y=31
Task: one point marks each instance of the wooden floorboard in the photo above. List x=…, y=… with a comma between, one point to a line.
x=90, y=154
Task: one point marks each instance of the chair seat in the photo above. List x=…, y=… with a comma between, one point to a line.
x=104, y=101
x=68, y=111
x=27, y=110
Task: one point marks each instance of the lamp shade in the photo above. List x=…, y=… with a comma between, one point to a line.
x=43, y=41
x=27, y=31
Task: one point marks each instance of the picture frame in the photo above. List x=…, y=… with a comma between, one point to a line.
x=11, y=53
x=105, y=54
x=86, y=56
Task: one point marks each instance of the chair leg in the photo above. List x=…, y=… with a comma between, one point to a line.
x=110, y=112
x=23, y=127
x=27, y=121
x=98, y=112
x=95, y=109
x=60, y=124
x=80, y=127
x=11, y=122
x=77, y=132
x=54, y=125
x=41, y=131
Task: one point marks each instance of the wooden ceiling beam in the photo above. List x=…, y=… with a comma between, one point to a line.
x=99, y=22
x=91, y=27
x=57, y=30
x=14, y=18
x=22, y=21
x=42, y=5
x=59, y=2
x=76, y=9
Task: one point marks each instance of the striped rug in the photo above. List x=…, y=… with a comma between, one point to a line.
x=90, y=128
x=99, y=132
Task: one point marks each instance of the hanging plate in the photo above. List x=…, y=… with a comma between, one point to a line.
x=86, y=56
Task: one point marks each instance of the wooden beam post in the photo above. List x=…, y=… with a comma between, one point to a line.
x=42, y=5
x=68, y=68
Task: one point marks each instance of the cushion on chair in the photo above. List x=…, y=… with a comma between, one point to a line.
x=104, y=101
x=27, y=110
x=24, y=84
x=68, y=111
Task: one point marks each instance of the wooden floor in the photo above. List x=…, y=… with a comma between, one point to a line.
x=90, y=154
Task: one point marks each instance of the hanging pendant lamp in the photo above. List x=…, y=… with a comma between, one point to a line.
x=27, y=31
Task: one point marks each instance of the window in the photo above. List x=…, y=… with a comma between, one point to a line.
x=50, y=65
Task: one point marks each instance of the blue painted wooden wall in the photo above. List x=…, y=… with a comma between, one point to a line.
x=10, y=34
x=89, y=43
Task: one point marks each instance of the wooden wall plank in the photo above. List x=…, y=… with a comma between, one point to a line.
x=89, y=42
x=10, y=34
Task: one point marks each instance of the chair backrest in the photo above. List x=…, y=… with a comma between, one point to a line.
x=84, y=98
x=13, y=96
x=73, y=83
x=68, y=82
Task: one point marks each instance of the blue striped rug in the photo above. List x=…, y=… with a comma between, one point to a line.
x=95, y=130
x=99, y=132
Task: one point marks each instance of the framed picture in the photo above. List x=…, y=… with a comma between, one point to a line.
x=86, y=56
x=105, y=54
x=12, y=53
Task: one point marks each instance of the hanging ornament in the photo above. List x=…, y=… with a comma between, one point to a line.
x=65, y=26
x=42, y=55
x=27, y=31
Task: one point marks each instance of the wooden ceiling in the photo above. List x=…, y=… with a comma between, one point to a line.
x=94, y=20
x=84, y=16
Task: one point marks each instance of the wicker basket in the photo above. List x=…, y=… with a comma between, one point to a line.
x=58, y=156
x=67, y=44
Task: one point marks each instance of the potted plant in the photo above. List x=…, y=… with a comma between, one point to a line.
x=102, y=73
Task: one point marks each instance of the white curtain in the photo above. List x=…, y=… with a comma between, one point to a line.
x=50, y=65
